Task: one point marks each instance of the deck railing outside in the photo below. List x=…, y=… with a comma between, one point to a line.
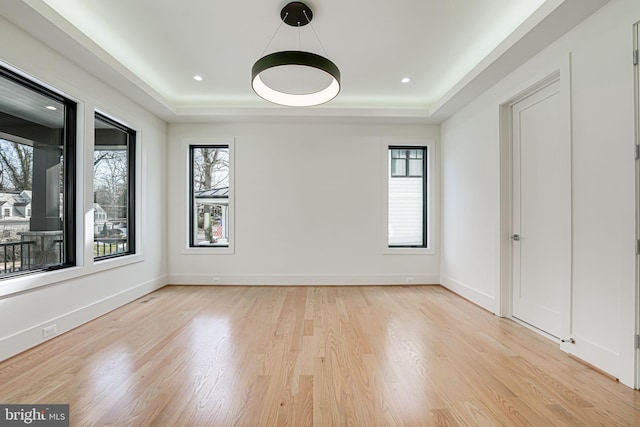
x=105, y=246
x=28, y=255
x=15, y=256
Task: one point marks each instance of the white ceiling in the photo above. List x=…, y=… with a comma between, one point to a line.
x=151, y=49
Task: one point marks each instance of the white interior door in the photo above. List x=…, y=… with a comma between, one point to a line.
x=541, y=211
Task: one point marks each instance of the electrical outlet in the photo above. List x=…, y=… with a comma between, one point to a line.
x=215, y=280
x=409, y=279
x=49, y=331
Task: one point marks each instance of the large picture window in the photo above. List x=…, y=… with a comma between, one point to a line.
x=407, y=197
x=37, y=177
x=113, y=189
x=210, y=218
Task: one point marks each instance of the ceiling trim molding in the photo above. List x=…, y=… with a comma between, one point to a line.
x=550, y=22
x=45, y=24
x=545, y=26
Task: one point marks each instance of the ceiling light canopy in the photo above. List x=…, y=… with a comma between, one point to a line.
x=296, y=14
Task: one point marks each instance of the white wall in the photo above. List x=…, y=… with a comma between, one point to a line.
x=308, y=206
x=73, y=296
x=470, y=174
x=603, y=260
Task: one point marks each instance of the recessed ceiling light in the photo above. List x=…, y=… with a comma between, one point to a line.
x=405, y=80
x=51, y=107
x=197, y=78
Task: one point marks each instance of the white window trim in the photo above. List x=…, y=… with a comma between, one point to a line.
x=386, y=165
x=209, y=250
x=85, y=255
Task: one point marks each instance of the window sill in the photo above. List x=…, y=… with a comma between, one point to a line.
x=208, y=250
x=37, y=279
x=408, y=251
x=118, y=261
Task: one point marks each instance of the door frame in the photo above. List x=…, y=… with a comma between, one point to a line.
x=636, y=102
x=562, y=74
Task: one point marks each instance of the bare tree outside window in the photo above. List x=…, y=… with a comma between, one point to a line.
x=16, y=166
x=110, y=181
x=209, y=195
x=211, y=168
x=113, y=189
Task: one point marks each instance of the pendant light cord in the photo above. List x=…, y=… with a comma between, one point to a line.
x=314, y=32
x=302, y=81
x=299, y=35
x=276, y=32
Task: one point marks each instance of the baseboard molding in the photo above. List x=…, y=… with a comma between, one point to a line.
x=306, y=279
x=31, y=337
x=485, y=301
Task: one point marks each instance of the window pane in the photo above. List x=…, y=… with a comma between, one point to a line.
x=407, y=203
x=36, y=186
x=113, y=189
x=415, y=167
x=415, y=154
x=398, y=167
x=398, y=154
x=209, y=195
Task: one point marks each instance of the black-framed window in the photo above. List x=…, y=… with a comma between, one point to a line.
x=407, y=162
x=407, y=197
x=114, y=187
x=209, y=190
x=37, y=177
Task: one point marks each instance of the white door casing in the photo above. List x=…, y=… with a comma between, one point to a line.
x=636, y=77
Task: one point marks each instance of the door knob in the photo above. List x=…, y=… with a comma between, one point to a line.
x=516, y=237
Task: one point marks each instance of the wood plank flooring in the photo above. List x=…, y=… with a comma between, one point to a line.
x=321, y=356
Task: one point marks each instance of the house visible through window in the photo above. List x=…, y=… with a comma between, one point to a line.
x=37, y=177
x=209, y=209
x=113, y=188
x=407, y=197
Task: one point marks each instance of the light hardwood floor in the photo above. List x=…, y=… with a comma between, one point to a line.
x=322, y=356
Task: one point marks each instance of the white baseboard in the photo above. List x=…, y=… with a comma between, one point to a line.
x=304, y=279
x=482, y=299
x=23, y=340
